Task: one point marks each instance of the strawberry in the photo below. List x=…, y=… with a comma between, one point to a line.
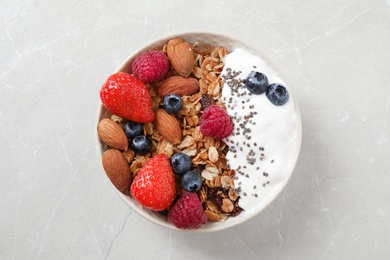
x=126, y=96
x=154, y=185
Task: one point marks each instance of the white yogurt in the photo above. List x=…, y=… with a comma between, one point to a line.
x=274, y=128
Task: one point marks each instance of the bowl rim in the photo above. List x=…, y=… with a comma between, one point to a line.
x=216, y=226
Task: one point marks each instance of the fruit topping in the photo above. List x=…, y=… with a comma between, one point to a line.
x=216, y=123
x=191, y=181
x=172, y=103
x=141, y=144
x=256, y=82
x=132, y=129
x=187, y=212
x=154, y=185
x=206, y=101
x=126, y=96
x=150, y=66
x=181, y=163
x=277, y=94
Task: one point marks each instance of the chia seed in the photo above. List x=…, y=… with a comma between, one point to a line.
x=243, y=126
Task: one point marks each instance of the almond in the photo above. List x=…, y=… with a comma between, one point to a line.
x=112, y=134
x=117, y=169
x=178, y=85
x=181, y=56
x=168, y=126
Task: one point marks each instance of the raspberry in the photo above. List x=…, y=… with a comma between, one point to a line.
x=216, y=123
x=150, y=66
x=187, y=212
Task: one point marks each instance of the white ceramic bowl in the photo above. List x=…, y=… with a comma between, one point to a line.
x=279, y=181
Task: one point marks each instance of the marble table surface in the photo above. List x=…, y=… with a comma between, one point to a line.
x=55, y=201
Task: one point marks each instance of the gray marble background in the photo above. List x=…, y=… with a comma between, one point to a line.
x=55, y=201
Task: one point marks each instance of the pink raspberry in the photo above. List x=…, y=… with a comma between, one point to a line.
x=150, y=66
x=216, y=123
x=187, y=212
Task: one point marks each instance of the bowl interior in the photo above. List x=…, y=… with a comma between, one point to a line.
x=230, y=44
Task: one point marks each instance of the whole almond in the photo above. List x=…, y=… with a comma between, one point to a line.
x=181, y=56
x=112, y=134
x=117, y=169
x=178, y=85
x=168, y=126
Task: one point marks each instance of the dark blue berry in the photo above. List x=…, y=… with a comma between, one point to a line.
x=172, y=103
x=141, y=144
x=181, y=163
x=256, y=82
x=277, y=94
x=191, y=181
x=133, y=129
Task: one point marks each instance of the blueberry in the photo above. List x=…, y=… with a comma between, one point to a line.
x=141, y=144
x=256, y=82
x=191, y=181
x=277, y=94
x=133, y=129
x=181, y=163
x=172, y=103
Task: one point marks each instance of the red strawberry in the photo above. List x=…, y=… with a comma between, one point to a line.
x=154, y=186
x=126, y=96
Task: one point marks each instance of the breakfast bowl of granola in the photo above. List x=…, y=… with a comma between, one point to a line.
x=198, y=131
